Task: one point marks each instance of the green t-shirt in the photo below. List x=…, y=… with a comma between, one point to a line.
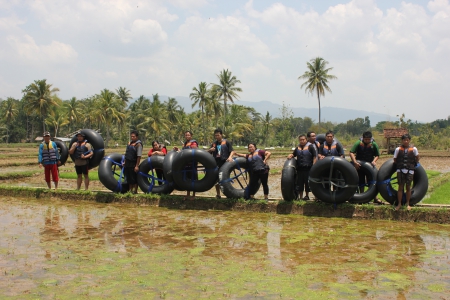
x=360, y=153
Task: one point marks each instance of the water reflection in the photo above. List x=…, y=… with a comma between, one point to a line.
x=237, y=253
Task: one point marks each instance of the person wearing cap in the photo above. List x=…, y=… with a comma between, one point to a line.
x=49, y=158
x=82, y=151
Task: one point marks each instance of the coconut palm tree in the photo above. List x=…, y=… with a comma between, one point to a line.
x=9, y=113
x=155, y=117
x=214, y=107
x=41, y=98
x=109, y=110
x=200, y=97
x=57, y=119
x=124, y=95
x=74, y=109
x=226, y=89
x=317, y=78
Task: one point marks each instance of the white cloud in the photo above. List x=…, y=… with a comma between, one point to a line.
x=188, y=4
x=257, y=69
x=426, y=76
x=26, y=51
x=149, y=31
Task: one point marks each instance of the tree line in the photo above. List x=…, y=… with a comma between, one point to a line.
x=114, y=115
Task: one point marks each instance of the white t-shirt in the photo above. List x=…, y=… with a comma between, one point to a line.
x=416, y=153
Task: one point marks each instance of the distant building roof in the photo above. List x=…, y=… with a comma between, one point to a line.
x=394, y=132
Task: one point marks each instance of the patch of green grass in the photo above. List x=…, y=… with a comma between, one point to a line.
x=441, y=195
x=73, y=175
x=16, y=175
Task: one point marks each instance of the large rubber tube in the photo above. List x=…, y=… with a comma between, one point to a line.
x=109, y=172
x=96, y=141
x=152, y=185
x=235, y=171
x=184, y=179
x=371, y=189
x=321, y=179
x=167, y=169
x=63, y=151
x=288, y=180
x=385, y=180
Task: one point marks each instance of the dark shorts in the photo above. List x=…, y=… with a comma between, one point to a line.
x=130, y=175
x=82, y=169
x=404, y=178
x=220, y=162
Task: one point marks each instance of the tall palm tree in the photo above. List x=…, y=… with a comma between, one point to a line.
x=57, y=119
x=124, y=95
x=41, y=97
x=109, y=110
x=200, y=97
x=226, y=89
x=214, y=107
x=317, y=78
x=9, y=113
x=155, y=117
x=74, y=109
x=174, y=112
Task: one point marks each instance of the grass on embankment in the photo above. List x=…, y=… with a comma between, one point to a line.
x=439, y=190
x=93, y=175
x=16, y=175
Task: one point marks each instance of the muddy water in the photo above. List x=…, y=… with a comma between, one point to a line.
x=54, y=249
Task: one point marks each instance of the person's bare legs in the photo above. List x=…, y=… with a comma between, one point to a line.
x=218, y=191
x=399, y=196
x=408, y=195
x=49, y=184
x=79, y=180
x=86, y=182
x=56, y=185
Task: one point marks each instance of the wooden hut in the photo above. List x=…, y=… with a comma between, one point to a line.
x=393, y=138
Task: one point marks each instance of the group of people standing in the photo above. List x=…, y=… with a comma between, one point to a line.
x=222, y=151
x=50, y=158
x=307, y=153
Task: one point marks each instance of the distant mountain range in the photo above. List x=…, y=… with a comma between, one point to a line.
x=332, y=114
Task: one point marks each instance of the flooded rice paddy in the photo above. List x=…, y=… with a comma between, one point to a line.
x=52, y=249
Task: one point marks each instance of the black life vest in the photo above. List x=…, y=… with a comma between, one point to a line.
x=187, y=144
x=304, y=157
x=256, y=161
x=406, y=160
x=49, y=152
x=330, y=150
x=365, y=152
x=81, y=149
x=221, y=150
x=131, y=152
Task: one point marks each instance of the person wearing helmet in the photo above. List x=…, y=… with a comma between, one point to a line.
x=49, y=158
x=82, y=151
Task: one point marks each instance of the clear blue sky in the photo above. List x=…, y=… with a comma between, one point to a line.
x=390, y=57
